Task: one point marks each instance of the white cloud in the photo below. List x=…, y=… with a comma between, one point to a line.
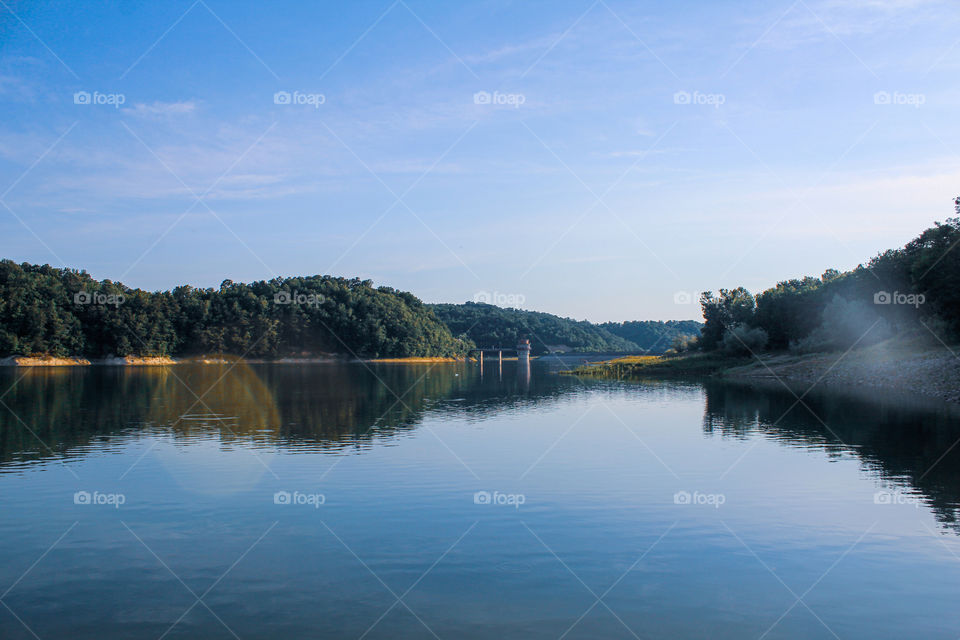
x=511, y=50
x=161, y=109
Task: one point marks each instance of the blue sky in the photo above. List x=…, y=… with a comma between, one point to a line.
x=617, y=153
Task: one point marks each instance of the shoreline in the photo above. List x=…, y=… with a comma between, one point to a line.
x=904, y=367
x=411, y=360
x=933, y=373
x=165, y=361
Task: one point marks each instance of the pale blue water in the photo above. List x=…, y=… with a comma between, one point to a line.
x=785, y=535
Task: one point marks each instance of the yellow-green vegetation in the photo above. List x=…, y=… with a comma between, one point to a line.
x=640, y=366
x=43, y=361
x=413, y=360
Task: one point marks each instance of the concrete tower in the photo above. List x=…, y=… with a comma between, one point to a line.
x=523, y=350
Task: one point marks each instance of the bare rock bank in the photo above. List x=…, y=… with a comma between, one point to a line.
x=933, y=372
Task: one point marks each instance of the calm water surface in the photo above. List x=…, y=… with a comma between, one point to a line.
x=410, y=501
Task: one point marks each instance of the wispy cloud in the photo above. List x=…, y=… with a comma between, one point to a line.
x=512, y=51
x=161, y=109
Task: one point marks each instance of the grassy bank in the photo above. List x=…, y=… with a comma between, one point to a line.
x=699, y=364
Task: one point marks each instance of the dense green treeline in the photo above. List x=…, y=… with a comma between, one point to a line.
x=490, y=326
x=914, y=290
x=653, y=336
x=44, y=310
x=65, y=312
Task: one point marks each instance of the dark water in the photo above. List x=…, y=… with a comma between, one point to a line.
x=341, y=501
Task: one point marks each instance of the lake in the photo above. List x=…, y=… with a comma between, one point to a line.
x=423, y=501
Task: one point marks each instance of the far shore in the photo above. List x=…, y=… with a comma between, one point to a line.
x=412, y=360
x=163, y=361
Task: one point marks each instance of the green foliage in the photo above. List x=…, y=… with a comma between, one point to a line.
x=683, y=343
x=490, y=326
x=932, y=264
x=40, y=314
x=655, y=337
x=845, y=323
x=695, y=364
x=838, y=309
x=742, y=340
x=730, y=308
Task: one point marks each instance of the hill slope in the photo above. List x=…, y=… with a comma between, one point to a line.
x=63, y=312
x=491, y=326
x=653, y=336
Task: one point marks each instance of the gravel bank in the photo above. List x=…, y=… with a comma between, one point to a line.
x=930, y=372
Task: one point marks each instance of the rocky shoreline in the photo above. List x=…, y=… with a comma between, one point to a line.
x=922, y=368
x=934, y=372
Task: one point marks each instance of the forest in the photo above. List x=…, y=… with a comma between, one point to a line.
x=654, y=336
x=489, y=325
x=911, y=291
x=64, y=312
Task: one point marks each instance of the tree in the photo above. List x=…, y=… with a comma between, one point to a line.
x=732, y=307
x=63, y=312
